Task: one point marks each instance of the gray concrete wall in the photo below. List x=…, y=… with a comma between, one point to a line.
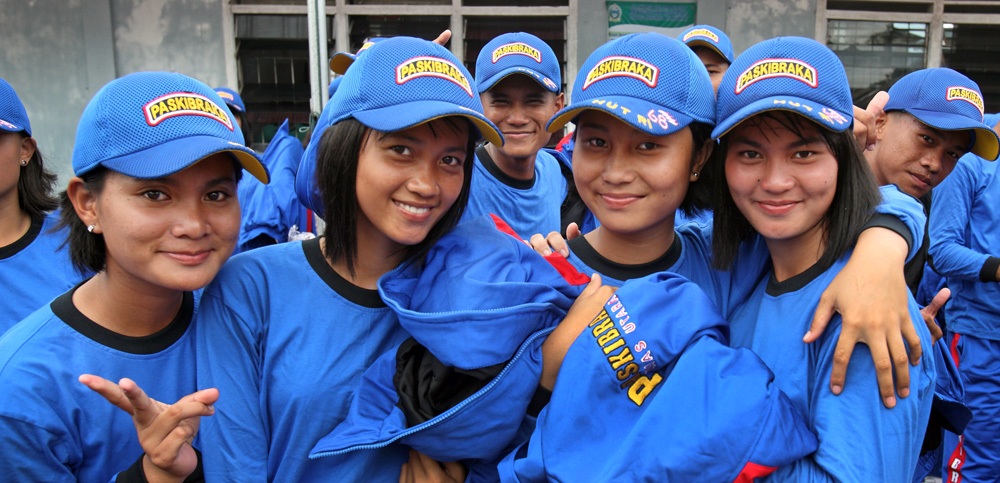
x=58, y=53
x=751, y=21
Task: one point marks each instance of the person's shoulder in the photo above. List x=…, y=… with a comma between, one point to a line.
x=28, y=337
x=263, y=263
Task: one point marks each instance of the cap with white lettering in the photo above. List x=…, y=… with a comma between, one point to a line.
x=945, y=99
x=154, y=124
x=402, y=82
x=651, y=82
x=793, y=74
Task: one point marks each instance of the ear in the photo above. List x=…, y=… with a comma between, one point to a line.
x=881, y=122
x=28, y=148
x=700, y=159
x=84, y=203
x=560, y=101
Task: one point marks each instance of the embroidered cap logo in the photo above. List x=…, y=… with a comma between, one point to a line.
x=618, y=65
x=184, y=104
x=770, y=68
x=428, y=66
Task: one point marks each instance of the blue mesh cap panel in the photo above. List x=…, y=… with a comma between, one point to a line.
x=517, y=53
x=652, y=82
x=13, y=117
x=786, y=73
x=401, y=82
x=153, y=124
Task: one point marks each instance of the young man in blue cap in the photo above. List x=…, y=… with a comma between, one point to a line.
x=518, y=78
x=933, y=117
x=965, y=234
x=713, y=47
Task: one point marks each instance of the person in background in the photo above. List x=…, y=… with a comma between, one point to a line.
x=965, y=235
x=268, y=211
x=34, y=263
x=527, y=186
x=713, y=47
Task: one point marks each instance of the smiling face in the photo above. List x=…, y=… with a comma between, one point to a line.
x=782, y=181
x=633, y=182
x=521, y=107
x=406, y=182
x=171, y=233
x=914, y=156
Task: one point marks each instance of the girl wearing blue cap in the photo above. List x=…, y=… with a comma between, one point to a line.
x=153, y=213
x=34, y=266
x=790, y=172
x=287, y=330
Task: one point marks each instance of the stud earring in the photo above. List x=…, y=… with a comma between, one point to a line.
x=696, y=175
x=90, y=228
x=24, y=162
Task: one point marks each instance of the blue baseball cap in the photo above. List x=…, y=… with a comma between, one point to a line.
x=517, y=53
x=13, y=117
x=342, y=60
x=334, y=85
x=401, y=82
x=651, y=82
x=945, y=99
x=786, y=74
x=154, y=124
x=231, y=98
x=711, y=37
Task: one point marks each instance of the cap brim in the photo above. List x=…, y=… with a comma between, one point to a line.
x=11, y=127
x=341, y=61
x=631, y=111
x=404, y=116
x=173, y=156
x=986, y=145
x=530, y=73
x=713, y=47
x=828, y=117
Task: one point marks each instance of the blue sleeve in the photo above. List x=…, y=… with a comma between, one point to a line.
x=909, y=211
x=31, y=453
x=951, y=208
x=859, y=439
x=236, y=436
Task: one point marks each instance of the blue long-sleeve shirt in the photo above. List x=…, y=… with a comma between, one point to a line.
x=965, y=230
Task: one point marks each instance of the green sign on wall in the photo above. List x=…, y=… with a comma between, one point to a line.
x=667, y=18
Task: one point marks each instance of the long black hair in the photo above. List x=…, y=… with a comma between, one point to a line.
x=337, y=174
x=34, y=186
x=853, y=202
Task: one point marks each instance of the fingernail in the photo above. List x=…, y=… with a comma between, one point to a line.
x=890, y=402
x=808, y=333
x=564, y=253
x=546, y=253
x=837, y=389
x=904, y=392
